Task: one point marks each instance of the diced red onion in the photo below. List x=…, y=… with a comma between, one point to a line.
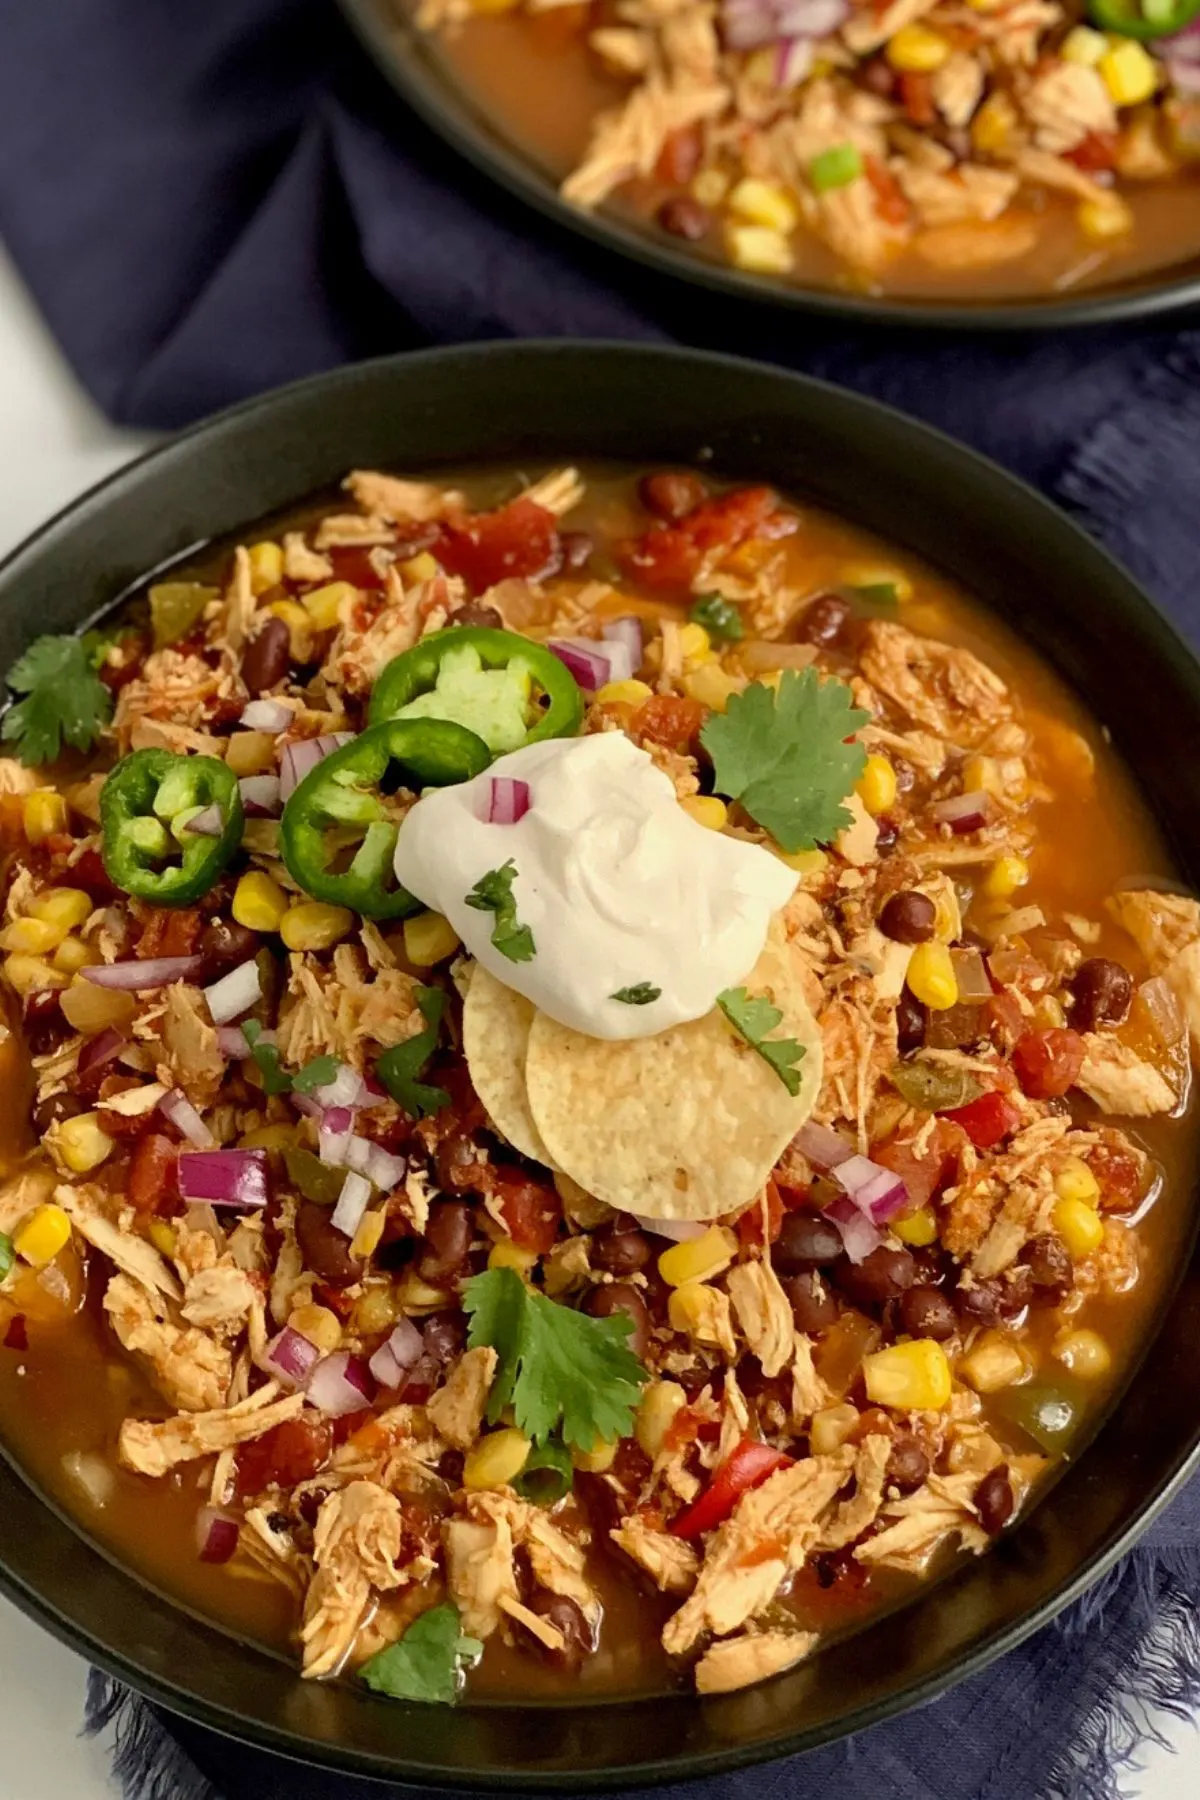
x=291, y=1357
x=100, y=1050
x=216, y=1535
x=333, y=1141
x=300, y=758
x=505, y=801
x=1163, y=1009
x=337, y=1120
x=235, y=993
x=593, y=664
x=179, y=1110
x=352, y=1203
x=859, y=1236
x=963, y=812
x=305, y=1103
x=209, y=823
x=340, y=1384
x=627, y=631
x=384, y=1169
x=224, y=1177
x=746, y=24
x=266, y=715
x=1184, y=44
x=794, y=58
x=393, y=1359
x=231, y=1042
x=261, y=795
x=1184, y=74
x=140, y=974
x=877, y=1192
x=678, y=1230
x=824, y=1148
x=970, y=972
x=346, y=1088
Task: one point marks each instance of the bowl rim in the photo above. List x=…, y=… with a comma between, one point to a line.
x=994, y=1641
x=404, y=57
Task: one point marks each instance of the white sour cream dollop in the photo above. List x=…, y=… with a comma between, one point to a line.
x=618, y=884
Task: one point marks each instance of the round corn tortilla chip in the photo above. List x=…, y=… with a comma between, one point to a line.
x=496, y=1023
x=684, y=1125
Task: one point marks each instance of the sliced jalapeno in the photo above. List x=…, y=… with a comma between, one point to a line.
x=149, y=807
x=505, y=689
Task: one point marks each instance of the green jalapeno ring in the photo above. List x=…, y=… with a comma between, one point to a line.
x=415, y=672
x=145, y=806
x=339, y=792
x=1131, y=19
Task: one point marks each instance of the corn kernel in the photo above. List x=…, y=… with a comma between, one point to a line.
x=65, y=906
x=710, y=187
x=918, y=1229
x=706, y=809
x=417, y=1296
x=993, y=125
x=931, y=977
x=319, y=1325
x=81, y=1142
x=422, y=567
x=1006, y=875
x=598, y=1460
x=73, y=954
x=43, y=1235
x=1084, y=1353
x=324, y=604
x=1049, y=1014
x=711, y=685
x=876, y=786
x=1129, y=72
x=805, y=862
x=913, y=1377
x=1079, y=1226
x=311, y=925
x=266, y=567
x=1075, y=1181
x=268, y=1137
x=429, y=938
x=259, y=902
x=32, y=974
x=162, y=1235
x=764, y=203
x=375, y=1308
x=993, y=1362
x=366, y=1239
x=831, y=1427
x=759, y=251
x=660, y=1402
x=31, y=937
x=916, y=50
x=1104, y=218
x=1083, y=46
x=507, y=1255
x=687, y=1308
x=698, y=1259
x=496, y=1459
x=624, y=693
x=300, y=637
x=43, y=813
x=694, y=642
x=251, y=752
x=92, y=1009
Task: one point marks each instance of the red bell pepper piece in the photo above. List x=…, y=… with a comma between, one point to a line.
x=744, y=1468
x=987, y=1119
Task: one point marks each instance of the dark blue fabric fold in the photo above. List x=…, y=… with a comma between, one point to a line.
x=209, y=200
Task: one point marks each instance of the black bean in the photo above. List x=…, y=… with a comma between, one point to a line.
x=267, y=657
x=473, y=612
x=991, y=1301
x=577, y=547
x=925, y=1312
x=620, y=1249
x=1103, y=991
x=55, y=1109
x=225, y=945
x=887, y=835
x=908, y=1465
x=325, y=1251
x=448, y=1237
x=879, y=77
x=684, y=217
x=568, y=1616
x=910, y=1023
x=671, y=493
x=814, y=1308
x=805, y=1242
x=1048, y=1261
x=823, y=620
x=883, y=1275
x=450, y=1466
x=618, y=1297
x=445, y=1336
x=458, y=1165
x=909, y=917
x=994, y=1498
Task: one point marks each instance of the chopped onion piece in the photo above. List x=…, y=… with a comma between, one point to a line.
x=627, y=631
x=745, y=24
x=393, y=1359
x=593, y=664
x=266, y=715
x=794, y=58
x=179, y=1110
x=340, y=1384
x=384, y=1169
x=209, y=823
x=505, y=801
x=963, y=812
x=300, y=758
x=333, y=1137
x=291, y=1357
x=100, y=1050
x=970, y=972
x=345, y=1089
x=216, y=1535
x=678, y=1230
x=859, y=1235
x=235, y=993
x=231, y=1042
x=224, y=1177
x=143, y=973
x=824, y=1148
x=261, y=795
x=1162, y=1008
x=92, y=1474
x=352, y=1204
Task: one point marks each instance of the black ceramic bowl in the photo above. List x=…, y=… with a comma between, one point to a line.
x=416, y=67
x=555, y=402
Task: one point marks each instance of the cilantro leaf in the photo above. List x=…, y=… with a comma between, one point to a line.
x=399, y=1067
x=427, y=1662
x=493, y=893
x=66, y=702
x=752, y=1015
x=317, y=1073
x=275, y=1078
x=719, y=617
x=557, y=1367
x=7, y=1254
x=784, y=755
x=640, y=994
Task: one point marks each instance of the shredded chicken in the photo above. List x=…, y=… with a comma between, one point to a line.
x=356, y=1547
x=764, y=1313
x=738, y=1661
x=670, y=1562
x=190, y=1368
x=941, y=686
x=456, y=1410
x=151, y=1447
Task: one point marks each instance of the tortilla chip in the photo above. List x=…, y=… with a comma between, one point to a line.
x=684, y=1125
x=496, y=1023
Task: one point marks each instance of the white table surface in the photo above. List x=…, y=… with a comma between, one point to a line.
x=54, y=444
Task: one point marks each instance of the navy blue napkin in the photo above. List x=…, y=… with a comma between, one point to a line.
x=208, y=200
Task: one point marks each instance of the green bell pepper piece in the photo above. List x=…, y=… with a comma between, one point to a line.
x=486, y=680
x=1143, y=19
x=338, y=808
x=146, y=805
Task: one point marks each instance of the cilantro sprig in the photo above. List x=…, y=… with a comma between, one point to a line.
x=493, y=893
x=7, y=1254
x=400, y=1068
x=65, y=700
x=785, y=756
x=557, y=1368
x=753, y=1016
x=275, y=1078
x=642, y=993
x=719, y=617
x=427, y=1662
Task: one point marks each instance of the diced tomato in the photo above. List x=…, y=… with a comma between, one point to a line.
x=1097, y=151
x=986, y=1120
x=293, y=1451
x=1121, y=1174
x=749, y=1222
x=531, y=1210
x=680, y=157
x=88, y=872
x=153, y=1183
x=923, y=1172
x=1047, y=1063
x=1008, y=1021
x=17, y=1335
x=670, y=720
x=353, y=564
x=520, y=539
x=889, y=196
x=691, y=1427
x=916, y=94
x=669, y=556
x=747, y=1466
x=170, y=931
